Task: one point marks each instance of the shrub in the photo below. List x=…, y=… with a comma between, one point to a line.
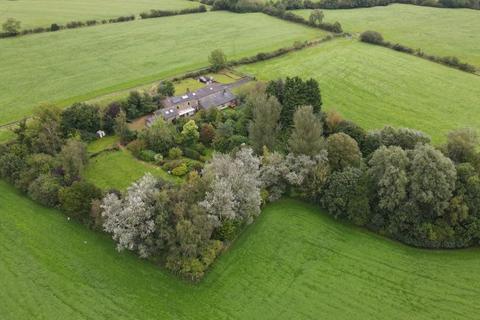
x=77, y=199
x=192, y=154
x=371, y=37
x=147, y=155
x=136, y=147
x=54, y=27
x=45, y=189
x=181, y=170
x=11, y=27
x=175, y=153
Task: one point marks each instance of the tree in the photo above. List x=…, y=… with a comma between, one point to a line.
x=388, y=172
x=217, y=60
x=207, y=134
x=432, y=180
x=264, y=127
x=306, y=137
x=73, y=159
x=131, y=221
x=160, y=136
x=83, y=118
x=308, y=174
x=405, y=138
x=190, y=132
x=316, y=17
x=109, y=114
x=343, y=151
x=371, y=37
x=77, y=199
x=121, y=128
x=341, y=190
x=273, y=172
x=461, y=145
x=11, y=26
x=166, y=89
x=43, y=134
x=45, y=189
x=138, y=104
x=234, y=191
x=294, y=92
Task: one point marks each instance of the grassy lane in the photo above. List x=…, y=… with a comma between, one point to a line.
x=443, y=32
x=42, y=13
x=375, y=86
x=293, y=263
x=90, y=62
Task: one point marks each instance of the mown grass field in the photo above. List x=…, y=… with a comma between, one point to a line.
x=443, y=32
x=375, y=86
x=90, y=62
x=42, y=13
x=293, y=263
x=118, y=169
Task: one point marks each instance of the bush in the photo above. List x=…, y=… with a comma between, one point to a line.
x=372, y=37
x=77, y=199
x=136, y=147
x=192, y=154
x=181, y=170
x=45, y=190
x=175, y=153
x=147, y=155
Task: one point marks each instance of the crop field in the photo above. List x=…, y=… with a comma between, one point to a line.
x=118, y=169
x=443, y=32
x=42, y=13
x=113, y=57
x=375, y=86
x=294, y=262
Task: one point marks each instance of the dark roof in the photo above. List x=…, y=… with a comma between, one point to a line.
x=200, y=93
x=167, y=113
x=217, y=99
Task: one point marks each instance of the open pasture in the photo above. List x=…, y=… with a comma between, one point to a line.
x=441, y=32
x=293, y=263
x=42, y=13
x=375, y=86
x=77, y=65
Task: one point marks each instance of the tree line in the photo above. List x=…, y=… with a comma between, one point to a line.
x=376, y=38
x=257, y=6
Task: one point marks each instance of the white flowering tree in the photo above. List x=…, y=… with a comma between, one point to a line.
x=234, y=191
x=131, y=221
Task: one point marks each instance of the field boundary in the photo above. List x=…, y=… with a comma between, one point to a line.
x=54, y=27
x=448, y=61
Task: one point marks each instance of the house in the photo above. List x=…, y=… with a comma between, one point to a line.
x=214, y=95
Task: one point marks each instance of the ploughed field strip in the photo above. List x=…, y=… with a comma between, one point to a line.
x=375, y=86
x=294, y=262
x=76, y=65
x=437, y=31
x=42, y=13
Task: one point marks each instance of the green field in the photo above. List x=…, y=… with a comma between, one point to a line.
x=293, y=263
x=443, y=32
x=42, y=13
x=90, y=62
x=375, y=86
x=118, y=169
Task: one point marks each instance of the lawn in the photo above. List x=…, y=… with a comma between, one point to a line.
x=293, y=263
x=42, y=13
x=102, y=144
x=443, y=32
x=118, y=169
x=375, y=86
x=91, y=62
